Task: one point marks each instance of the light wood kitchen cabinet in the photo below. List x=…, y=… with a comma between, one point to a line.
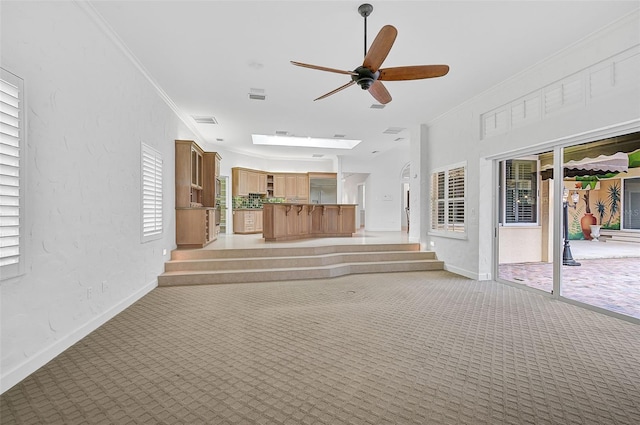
x=247, y=221
x=296, y=187
x=210, y=173
x=279, y=186
x=289, y=221
x=290, y=186
x=189, y=180
x=195, y=182
x=240, y=182
x=253, y=182
x=302, y=187
x=247, y=181
x=262, y=183
x=195, y=227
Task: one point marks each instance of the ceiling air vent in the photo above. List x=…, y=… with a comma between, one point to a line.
x=377, y=106
x=339, y=136
x=393, y=130
x=282, y=133
x=317, y=155
x=399, y=139
x=219, y=140
x=257, y=94
x=205, y=120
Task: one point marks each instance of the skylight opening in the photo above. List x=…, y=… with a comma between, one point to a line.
x=304, y=142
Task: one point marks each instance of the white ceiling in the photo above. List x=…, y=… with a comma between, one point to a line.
x=208, y=55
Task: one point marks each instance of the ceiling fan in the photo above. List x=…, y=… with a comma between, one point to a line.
x=369, y=76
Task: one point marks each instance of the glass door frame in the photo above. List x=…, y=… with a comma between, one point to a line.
x=557, y=146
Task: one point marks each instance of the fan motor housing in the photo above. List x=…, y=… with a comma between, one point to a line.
x=365, y=77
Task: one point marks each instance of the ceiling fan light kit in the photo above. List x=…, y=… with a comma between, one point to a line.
x=369, y=76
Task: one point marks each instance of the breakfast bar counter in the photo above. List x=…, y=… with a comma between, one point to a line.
x=288, y=221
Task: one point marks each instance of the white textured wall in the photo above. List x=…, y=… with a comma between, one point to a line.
x=382, y=187
x=88, y=111
x=456, y=136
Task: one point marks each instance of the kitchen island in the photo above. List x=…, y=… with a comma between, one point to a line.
x=288, y=221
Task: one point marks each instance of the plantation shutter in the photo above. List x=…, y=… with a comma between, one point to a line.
x=437, y=201
x=520, y=191
x=448, y=200
x=151, y=193
x=10, y=158
x=456, y=199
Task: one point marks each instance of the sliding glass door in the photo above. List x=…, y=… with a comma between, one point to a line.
x=597, y=256
x=603, y=178
x=525, y=227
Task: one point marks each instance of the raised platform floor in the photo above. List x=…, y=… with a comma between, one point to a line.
x=248, y=258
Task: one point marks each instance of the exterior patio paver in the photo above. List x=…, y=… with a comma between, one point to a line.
x=610, y=283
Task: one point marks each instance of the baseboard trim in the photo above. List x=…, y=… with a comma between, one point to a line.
x=44, y=356
x=462, y=272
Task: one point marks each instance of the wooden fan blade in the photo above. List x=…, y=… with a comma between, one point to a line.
x=350, y=83
x=417, y=72
x=322, y=68
x=380, y=93
x=380, y=48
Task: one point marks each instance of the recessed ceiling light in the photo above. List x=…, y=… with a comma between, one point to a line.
x=305, y=142
x=205, y=120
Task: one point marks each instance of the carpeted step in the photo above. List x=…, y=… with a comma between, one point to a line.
x=275, y=251
x=176, y=278
x=250, y=262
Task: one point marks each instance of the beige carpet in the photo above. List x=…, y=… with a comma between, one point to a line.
x=398, y=348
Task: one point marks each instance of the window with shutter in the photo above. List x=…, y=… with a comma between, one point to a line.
x=448, y=200
x=11, y=181
x=151, y=193
x=520, y=191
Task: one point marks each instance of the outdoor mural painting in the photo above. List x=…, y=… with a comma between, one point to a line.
x=600, y=197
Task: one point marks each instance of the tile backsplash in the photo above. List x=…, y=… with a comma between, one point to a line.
x=254, y=200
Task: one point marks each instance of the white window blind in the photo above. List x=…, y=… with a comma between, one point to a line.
x=437, y=201
x=11, y=142
x=448, y=200
x=520, y=191
x=151, y=193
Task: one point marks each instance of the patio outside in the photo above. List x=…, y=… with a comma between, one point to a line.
x=608, y=276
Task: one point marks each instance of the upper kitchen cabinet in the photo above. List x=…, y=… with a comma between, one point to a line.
x=189, y=174
x=246, y=181
x=210, y=174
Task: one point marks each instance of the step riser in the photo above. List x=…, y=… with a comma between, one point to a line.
x=204, y=254
x=293, y=274
x=265, y=263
